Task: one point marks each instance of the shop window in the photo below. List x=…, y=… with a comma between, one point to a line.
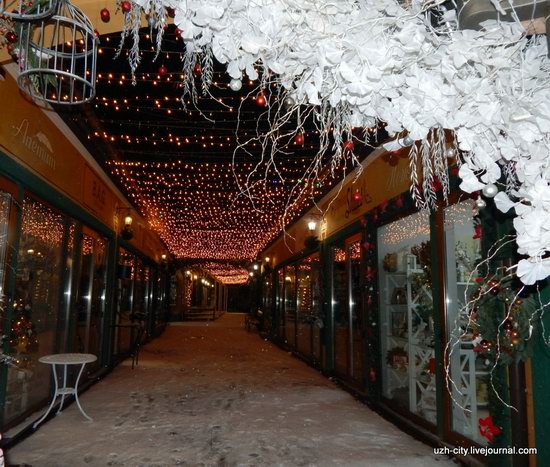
x=308, y=307
x=35, y=307
x=267, y=294
x=347, y=312
x=90, y=296
x=125, y=299
x=407, y=315
x=290, y=305
x=279, y=310
x=468, y=372
x=5, y=208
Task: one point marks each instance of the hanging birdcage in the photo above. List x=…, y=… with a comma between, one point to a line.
x=57, y=57
x=28, y=10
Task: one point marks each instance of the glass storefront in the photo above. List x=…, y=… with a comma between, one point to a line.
x=407, y=316
x=36, y=304
x=347, y=309
x=468, y=371
x=308, y=342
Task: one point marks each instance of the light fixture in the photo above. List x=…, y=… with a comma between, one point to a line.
x=126, y=233
x=267, y=259
x=255, y=266
x=312, y=226
x=188, y=273
x=163, y=257
x=251, y=273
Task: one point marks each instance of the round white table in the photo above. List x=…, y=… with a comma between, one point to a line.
x=64, y=360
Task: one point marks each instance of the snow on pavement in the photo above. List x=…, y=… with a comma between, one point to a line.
x=211, y=394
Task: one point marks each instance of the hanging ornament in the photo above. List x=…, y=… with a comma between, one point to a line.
x=126, y=6
x=393, y=159
x=490, y=190
x=197, y=69
x=450, y=153
x=299, y=139
x=151, y=22
x=288, y=102
x=60, y=73
x=480, y=203
x=508, y=325
x=235, y=84
x=348, y=145
x=178, y=32
x=357, y=197
x=96, y=33
x=105, y=15
x=11, y=37
x=163, y=70
x=170, y=12
x=260, y=99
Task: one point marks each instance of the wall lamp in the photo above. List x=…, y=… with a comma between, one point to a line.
x=126, y=233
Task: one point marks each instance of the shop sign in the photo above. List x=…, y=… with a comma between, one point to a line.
x=95, y=192
x=37, y=144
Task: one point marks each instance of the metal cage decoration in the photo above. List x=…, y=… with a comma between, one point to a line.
x=57, y=57
x=28, y=10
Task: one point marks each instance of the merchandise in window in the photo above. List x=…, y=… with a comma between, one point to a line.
x=407, y=315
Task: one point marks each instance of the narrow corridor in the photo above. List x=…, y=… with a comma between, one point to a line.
x=213, y=394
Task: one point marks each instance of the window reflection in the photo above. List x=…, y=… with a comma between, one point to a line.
x=35, y=307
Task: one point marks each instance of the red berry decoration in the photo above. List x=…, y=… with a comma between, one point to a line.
x=163, y=70
x=105, y=15
x=299, y=139
x=126, y=6
x=197, y=69
x=179, y=32
x=11, y=37
x=260, y=100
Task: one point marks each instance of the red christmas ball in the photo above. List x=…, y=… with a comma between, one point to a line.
x=96, y=33
x=508, y=325
x=357, y=196
x=197, y=70
x=126, y=6
x=11, y=37
x=393, y=159
x=179, y=32
x=105, y=15
x=348, y=145
x=299, y=139
x=163, y=70
x=260, y=99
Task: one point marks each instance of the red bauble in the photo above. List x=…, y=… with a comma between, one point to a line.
x=11, y=37
x=372, y=375
x=357, y=197
x=393, y=159
x=126, y=6
x=178, y=32
x=197, y=70
x=260, y=99
x=105, y=15
x=508, y=325
x=96, y=33
x=299, y=139
x=348, y=145
x=163, y=70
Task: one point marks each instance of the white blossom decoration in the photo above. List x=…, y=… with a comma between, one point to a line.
x=384, y=61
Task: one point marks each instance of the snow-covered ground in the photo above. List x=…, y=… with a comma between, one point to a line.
x=214, y=395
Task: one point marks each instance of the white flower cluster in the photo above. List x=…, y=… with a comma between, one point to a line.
x=384, y=61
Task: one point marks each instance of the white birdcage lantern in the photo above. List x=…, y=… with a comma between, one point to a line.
x=57, y=57
x=28, y=10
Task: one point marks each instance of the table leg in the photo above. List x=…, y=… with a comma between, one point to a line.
x=41, y=419
x=76, y=393
x=64, y=387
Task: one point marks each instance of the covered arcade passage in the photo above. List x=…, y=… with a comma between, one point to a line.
x=213, y=394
